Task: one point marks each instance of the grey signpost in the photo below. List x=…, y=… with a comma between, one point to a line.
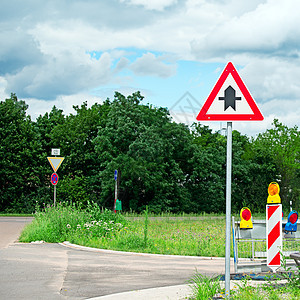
x=229, y=101
x=116, y=189
x=228, y=206
x=55, y=163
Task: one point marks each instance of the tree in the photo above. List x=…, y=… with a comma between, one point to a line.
x=207, y=170
x=45, y=126
x=19, y=152
x=280, y=146
x=148, y=150
x=75, y=138
x=162, y=164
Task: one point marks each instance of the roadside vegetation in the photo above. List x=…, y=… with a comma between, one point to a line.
x=93, y=227
x=201, y=235
x=161, y=164
x=204, y=287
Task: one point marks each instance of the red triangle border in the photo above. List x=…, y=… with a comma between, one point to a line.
x=256, y=116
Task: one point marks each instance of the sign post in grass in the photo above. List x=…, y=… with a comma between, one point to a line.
x=229, y=101
x=55, y=163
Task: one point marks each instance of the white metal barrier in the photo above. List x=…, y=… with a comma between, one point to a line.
x=249, y=246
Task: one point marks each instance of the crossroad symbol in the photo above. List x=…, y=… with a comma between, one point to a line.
x=230, y=98
x=55, y=162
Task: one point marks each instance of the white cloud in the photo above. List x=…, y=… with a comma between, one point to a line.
x=273, y=78
x=271, y=28
x=3, y=94
x=159, y=5
x=45, y=49
x=151, y=65
x=65, y=103
x=63, y=74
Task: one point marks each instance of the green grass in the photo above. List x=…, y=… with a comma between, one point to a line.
x=67, y=222
x=201, y=235
x=204, y=287
x=179, y=237
x=270, y=290
x=185, y=235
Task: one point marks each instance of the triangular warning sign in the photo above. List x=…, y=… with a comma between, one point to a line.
x=55, y=162
x=230, y=100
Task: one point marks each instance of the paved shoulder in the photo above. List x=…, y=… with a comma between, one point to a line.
x=52, y=271
x=96, y=272
x=10, y=229
x=30, y=271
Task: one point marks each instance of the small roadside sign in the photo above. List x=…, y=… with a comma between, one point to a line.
x=54, y=179
x=55, y=162
x=55, y=151
x=116, y=175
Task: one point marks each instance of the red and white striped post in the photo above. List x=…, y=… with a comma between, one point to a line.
x=274, y=235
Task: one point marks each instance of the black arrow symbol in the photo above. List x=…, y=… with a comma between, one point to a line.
x=229, y=98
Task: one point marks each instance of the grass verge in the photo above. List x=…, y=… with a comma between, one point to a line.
x=204, y=287
x=103, y=229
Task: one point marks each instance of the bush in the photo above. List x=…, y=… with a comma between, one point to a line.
x=66, y=221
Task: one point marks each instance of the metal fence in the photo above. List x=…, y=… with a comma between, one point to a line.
x=249, y=246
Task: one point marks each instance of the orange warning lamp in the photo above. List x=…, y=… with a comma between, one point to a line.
x=246, y=222
x=273, y=191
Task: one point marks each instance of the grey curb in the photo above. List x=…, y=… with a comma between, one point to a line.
x=163, y=293
x=84, y=248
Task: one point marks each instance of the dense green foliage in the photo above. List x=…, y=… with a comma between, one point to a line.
x=162, y=164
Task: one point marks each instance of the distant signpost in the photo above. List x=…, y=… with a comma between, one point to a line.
x=116, y=189
x=55, y=163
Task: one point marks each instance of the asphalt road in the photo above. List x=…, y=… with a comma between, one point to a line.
x=10, y=229
x=53, y=271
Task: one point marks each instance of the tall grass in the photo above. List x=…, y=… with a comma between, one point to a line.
x=203, y=236
x=204, y=287
x=67, y=222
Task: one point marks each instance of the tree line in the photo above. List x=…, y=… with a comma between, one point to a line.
x=165, y=165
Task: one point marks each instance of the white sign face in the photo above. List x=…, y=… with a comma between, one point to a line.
x=219, y=106
x=55, y=162
x=55, y=151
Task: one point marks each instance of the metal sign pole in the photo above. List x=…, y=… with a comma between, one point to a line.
x=54, y=195
x=116, y=190
x=215, y=109
x=228, y=208
x=116, y=195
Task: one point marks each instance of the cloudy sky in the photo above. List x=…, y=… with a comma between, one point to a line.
x=65, y=52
